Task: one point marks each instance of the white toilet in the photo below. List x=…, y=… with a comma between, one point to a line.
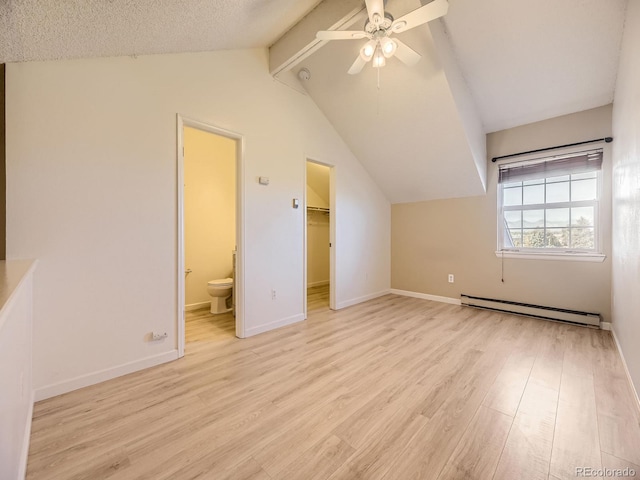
x=221, y=291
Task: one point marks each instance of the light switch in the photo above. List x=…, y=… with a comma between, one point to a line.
x=296, y=203
x=263, y=180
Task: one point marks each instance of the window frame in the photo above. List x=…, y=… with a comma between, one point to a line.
x=567, y=253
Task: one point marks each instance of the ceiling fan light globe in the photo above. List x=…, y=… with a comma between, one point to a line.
x=368, y=50
x=379, y=59
x=389, y=47
x=379, y=62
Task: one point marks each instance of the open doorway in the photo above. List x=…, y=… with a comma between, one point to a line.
x=319, y=232
x=209, y=161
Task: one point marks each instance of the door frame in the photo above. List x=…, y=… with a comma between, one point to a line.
x=332, y=234
x=183, y=121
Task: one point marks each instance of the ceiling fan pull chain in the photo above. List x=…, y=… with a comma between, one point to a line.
x=378, y=95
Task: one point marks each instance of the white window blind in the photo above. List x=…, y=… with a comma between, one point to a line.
x=550, y=204
x=582, y=162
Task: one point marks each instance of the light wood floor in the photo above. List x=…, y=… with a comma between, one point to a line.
x=395, y=388
x=317, y=298
x=202, y=326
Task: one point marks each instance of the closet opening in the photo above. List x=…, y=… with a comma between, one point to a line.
x=319, y=235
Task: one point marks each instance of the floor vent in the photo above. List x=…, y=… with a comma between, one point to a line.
x=538, y=311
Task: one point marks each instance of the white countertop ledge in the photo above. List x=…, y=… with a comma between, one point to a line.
x=562, y=256
x=12, y=275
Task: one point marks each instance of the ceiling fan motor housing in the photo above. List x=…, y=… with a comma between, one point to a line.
x=372, y=28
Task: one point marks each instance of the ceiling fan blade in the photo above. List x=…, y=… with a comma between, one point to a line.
x=406, y=54
x=341, y=35
x=375, y=7
x=357, y=66
x=430, y=11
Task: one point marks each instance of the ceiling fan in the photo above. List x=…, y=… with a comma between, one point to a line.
x=378, y=29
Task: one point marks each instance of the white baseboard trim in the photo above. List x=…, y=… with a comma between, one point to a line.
x=196, y=306
x=605, y=326
x=426, y=296
x=626, y=369
x=103, y=375
x=24, y=454
x=273, y=325
x=364, y=298
x=318, y=284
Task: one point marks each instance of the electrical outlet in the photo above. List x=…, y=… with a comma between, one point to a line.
x=451, y=278
x=158, y=336
x=273, y=294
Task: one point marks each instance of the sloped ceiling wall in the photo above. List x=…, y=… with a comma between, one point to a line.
x=529, y=61
x=318, y=181
x=410, y=144
x=485, y=66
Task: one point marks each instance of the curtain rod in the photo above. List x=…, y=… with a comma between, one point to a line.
x=605, y=139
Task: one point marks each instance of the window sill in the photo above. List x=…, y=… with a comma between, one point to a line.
x=573, y=257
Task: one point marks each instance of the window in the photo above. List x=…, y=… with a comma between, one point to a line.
x=551, y=204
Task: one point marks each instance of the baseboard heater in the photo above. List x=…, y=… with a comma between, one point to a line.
x=538, y=311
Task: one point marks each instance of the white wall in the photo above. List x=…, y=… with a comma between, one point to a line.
x=626, y=196
x=16, y=391
x=91, y=192
x=209, y=211
x=459, y=236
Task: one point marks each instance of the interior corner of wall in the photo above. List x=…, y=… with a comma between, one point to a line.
x=481, y=166
x=463, y=99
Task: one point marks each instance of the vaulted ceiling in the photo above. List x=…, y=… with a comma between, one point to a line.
x=486, y=66
x=531, y=60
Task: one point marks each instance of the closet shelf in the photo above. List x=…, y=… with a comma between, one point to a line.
x=318, y=209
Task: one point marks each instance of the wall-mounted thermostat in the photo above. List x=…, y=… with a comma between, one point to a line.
x=263, y=180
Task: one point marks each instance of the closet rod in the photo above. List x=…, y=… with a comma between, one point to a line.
x=605, y=139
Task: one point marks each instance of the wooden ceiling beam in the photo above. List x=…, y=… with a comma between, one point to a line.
x=300, y=41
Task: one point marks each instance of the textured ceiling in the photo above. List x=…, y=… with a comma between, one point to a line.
x=54, y=29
